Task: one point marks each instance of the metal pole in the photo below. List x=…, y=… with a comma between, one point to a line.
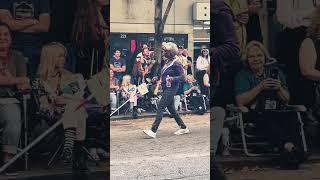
x=25, y=98
x=92, y=60
x=26, y=149
x=119, y=107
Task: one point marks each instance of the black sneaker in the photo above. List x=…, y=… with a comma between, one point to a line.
x=11, y=171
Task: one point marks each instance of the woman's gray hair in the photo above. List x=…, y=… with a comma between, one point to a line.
x=171, y=47
x=259, y=45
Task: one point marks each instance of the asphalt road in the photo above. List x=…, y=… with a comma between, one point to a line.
x=166, y=157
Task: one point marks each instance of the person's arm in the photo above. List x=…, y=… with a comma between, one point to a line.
x=180, y=74
x=284, y=95
x=123, y=69
x=187, y=90
x=228, y=48
x=42, y=25
x=308, y=59
x=15, y=25
x=112, y=68
x=248, y=96
x=206, y=82
x=199, y=63
x=44, y=18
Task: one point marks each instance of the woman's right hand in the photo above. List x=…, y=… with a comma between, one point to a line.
x=270, y=83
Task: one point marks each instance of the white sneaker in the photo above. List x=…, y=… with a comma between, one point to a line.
x=182, y=131
x=150, y=133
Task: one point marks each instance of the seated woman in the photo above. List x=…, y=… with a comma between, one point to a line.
x=114, y=87
x=13, y=78
x=129, y=92
x=192, y=92
x=60, y=94
x=264, y=88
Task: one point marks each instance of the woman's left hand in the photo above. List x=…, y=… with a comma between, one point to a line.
x=276, y=84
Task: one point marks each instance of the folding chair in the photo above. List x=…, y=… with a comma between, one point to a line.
x=237, y=118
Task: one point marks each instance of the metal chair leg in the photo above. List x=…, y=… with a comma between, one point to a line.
x=31, y=145
x=88, y=153
x=54, y=157
x=302, y=132
x=243, y=136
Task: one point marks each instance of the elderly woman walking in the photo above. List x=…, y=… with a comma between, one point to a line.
x=170, y=78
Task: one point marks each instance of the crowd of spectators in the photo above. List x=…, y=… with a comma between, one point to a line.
x=59, y=66
x=141, y=87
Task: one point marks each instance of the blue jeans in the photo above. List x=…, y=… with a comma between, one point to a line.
x=217, y=115
x=32, y=52
x=10, y=120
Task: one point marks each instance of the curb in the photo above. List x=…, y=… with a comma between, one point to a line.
x=147, y=115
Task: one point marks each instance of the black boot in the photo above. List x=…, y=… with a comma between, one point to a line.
x=80, y=159
x=135, y=112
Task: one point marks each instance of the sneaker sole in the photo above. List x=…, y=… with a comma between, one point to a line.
x=182, y=133
x=150, y=137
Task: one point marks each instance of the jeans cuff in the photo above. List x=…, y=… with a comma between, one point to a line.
x=9, y=149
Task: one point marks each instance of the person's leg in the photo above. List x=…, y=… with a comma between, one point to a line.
x=74, y=123
x=175, y=115
x=113, y=98
x=217, y=118
x=10, y=117
x=166, y=98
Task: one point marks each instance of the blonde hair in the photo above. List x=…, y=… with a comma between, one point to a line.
x=190, y=76
x=49, y=59
x=314, y=28
x=259, y=45
x=126, y=80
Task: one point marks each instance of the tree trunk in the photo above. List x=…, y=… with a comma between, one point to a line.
x=159, y=23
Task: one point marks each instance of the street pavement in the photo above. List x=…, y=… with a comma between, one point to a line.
x=306, y=172
x=166, y=157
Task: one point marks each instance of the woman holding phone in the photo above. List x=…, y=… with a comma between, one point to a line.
x=262, y=86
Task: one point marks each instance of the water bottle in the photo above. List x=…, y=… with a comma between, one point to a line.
x=168, y=83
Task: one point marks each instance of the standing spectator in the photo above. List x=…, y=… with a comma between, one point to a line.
x=189, y=61
x=89, y=35
x=203, y=62
x=29, y=21
x=118, y=65
x=240, y=12
x=144, y=65
x=62, y=15
x=226, y=55
x=293, y=16
x=253, y=26
x=183, y=60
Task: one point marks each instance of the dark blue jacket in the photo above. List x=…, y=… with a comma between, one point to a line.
x=224, y=45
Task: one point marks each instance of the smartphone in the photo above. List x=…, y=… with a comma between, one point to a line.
x=275, y=74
